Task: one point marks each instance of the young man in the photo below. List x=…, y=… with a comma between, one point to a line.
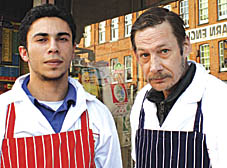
x=47, y=119
x=179, y=118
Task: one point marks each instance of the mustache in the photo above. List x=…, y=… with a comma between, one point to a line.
x=158, y=76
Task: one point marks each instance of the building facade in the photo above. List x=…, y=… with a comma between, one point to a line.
x=205, y=23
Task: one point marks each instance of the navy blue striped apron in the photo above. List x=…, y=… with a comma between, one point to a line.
x=175, y=149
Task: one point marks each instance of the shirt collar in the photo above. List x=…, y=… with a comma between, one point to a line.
x=69, y=99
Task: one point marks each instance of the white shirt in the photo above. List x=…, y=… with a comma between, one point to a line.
x=31, y=122
x=213, y=93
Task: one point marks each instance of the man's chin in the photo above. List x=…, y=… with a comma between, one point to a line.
x=158, y=87
x=52, y=77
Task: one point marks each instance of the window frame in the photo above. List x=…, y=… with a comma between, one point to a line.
x=126, y=68
x=205, y=60
x=222, y=67
x=220, y=5
x=87, y=36
x=184, y=12
x=203, y=10
x=102, y=32
x=114, y=29
x=128, y=25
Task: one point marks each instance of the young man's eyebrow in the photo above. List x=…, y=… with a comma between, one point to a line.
x=63, y=34
x=40, y=34
x=46, y=34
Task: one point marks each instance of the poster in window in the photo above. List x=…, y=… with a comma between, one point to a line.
x=119, y=93
x=91, y=81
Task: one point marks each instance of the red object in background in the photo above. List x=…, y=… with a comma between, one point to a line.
x=119, y=93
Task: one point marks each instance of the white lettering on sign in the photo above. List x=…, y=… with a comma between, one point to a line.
x=207, y=33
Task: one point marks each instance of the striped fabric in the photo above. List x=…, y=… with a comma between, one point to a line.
x=66, y=149
x=172, y=149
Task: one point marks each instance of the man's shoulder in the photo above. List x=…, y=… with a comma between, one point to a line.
x=210, y=80
x=7, y=97
x=213, y=83
x=209, y=84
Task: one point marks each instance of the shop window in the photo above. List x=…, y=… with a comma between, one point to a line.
x=203, y=11
x=222, y=55
x=102, y=32
x=87, y=36
x=128, y=68
x=128, y=25
x=184, y=13
x=222, y=9
x=114, y=29
x=113, y=63
x=205, y=56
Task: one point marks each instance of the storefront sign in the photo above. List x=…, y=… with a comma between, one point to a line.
x=207, y=33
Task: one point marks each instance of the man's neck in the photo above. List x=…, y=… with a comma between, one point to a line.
x=168, y=92
x=48, y=90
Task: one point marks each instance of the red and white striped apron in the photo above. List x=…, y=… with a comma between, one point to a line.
x=64, y=150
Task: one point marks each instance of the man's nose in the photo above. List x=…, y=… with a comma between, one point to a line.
x=155, y=64
x=53, y=47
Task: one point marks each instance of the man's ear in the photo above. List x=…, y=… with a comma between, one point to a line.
x=23, y=53
x=74, y=48
x=187, y=47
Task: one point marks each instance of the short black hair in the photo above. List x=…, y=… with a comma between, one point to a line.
x=155, y=16
x=45, y=10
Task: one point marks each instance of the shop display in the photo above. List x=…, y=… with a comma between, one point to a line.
x=9, y=55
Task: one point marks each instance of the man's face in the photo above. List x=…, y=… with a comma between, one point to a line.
x=159, y=55
x=49, y=48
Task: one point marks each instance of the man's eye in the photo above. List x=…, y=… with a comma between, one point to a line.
x=164, y=51
x=42, y=40
x=144, y=55
x=63, y=39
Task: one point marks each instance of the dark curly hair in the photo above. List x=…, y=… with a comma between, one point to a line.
x=155, y=16
x=46, y=10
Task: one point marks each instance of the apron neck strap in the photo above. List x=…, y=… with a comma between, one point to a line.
x=85, y=121
x=142, y=114
x=10, y=121
x=198, y=125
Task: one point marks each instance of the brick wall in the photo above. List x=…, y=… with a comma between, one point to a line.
x=122, y=47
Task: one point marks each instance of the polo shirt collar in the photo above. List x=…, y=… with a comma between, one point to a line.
x=70, y=98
